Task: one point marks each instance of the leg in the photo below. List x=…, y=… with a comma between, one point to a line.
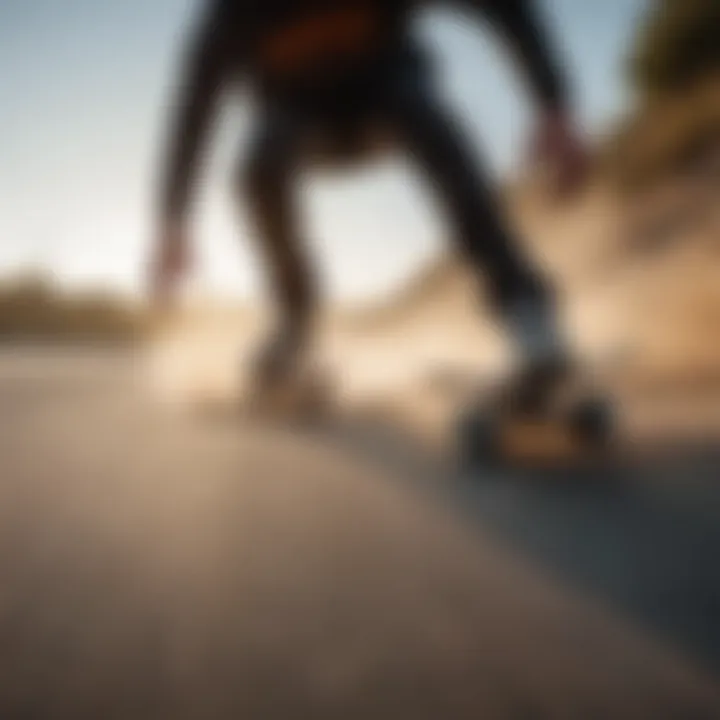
x=517, y=289
x=268, y=183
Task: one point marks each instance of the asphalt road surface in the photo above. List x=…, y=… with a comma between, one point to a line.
x=158, y=565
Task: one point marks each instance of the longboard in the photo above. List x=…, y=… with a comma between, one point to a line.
x=575, y=420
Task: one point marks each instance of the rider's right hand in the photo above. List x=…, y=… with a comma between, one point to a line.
x=560, y=143
x=169, y=263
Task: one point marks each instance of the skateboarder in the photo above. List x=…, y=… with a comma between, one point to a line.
x=332, y=69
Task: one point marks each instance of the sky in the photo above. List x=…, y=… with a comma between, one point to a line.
x=84, y=90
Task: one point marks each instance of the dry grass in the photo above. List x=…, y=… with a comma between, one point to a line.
x=669, y=134
x=32, y=308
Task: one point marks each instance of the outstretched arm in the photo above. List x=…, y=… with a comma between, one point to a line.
x=558, y=141
x=520, y=23
x=203, y=73
x=205, y=69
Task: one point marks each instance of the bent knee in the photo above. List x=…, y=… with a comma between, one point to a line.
x=272, y=160
x=263, y=174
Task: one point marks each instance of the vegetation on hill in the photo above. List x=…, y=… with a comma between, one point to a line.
x=674, y=66
x=667, y=135
x=32, y=308
x=677, y=45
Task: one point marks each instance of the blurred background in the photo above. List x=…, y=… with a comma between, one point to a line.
x=86, y=96
x=158, y=564
x=85, y=101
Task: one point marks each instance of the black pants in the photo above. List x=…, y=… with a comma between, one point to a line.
x=402, y=102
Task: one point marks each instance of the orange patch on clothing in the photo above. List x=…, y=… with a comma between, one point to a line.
x=334, y=34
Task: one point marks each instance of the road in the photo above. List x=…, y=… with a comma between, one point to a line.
x=159, y=565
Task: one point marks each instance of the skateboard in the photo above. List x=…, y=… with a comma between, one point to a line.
x=537, y=418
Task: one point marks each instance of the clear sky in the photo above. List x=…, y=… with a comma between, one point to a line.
x=83, y=91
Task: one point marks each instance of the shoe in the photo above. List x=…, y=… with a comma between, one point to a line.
x=544, y=357
x=534, y=331
x=286, y=384
x=279, y=358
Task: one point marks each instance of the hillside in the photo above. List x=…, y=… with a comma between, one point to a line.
x=643, y=277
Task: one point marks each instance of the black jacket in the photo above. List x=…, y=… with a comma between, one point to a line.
x=285, y=46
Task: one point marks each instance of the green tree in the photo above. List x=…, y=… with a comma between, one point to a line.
x=678, y=43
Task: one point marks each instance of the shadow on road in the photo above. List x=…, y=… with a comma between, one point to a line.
x=640, y=534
